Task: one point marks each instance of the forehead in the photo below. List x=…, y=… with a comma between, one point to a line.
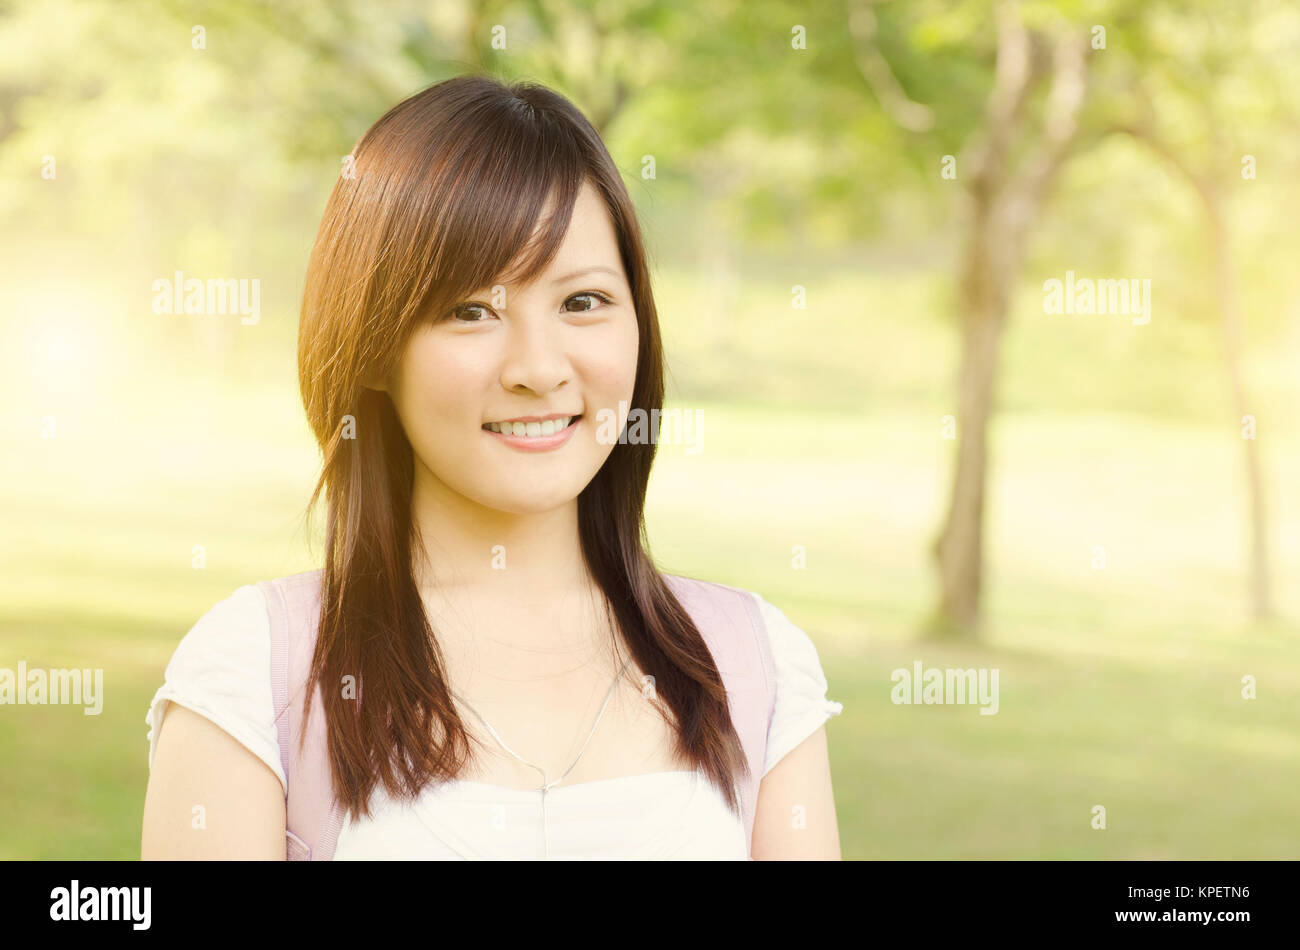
x=589, y=242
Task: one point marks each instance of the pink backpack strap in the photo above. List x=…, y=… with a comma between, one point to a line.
x=312, y=818
x=728, y=618
x=732, y=625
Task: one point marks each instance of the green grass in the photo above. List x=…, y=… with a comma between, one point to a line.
x=1119, y=686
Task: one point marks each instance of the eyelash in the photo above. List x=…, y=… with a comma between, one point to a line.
x=451, y=314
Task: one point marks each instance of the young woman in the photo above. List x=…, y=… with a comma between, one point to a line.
x=497, y=668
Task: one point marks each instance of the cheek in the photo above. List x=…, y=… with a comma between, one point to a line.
x=433, y=384
x=606, y=364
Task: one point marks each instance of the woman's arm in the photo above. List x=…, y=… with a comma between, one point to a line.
x=795, y=815
x=196, y=763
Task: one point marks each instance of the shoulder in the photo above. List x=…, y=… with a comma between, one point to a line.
x=237, y=619
x=729, y=618
x=243, y=618
x=224, y=649
x=768, y=621
x=801, y=705
x=292, y=589
x=694, y=587
x=791, y=649
x=221, y=669
x=740, y=625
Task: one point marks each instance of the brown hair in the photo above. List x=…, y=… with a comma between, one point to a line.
x=446, y=190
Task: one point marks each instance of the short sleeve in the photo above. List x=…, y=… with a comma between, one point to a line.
x=222, y=671
x=801, y=703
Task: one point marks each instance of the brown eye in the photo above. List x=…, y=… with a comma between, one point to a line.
x=468, y=309
x=590, y=295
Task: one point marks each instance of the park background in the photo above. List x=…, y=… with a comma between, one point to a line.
x=853, y=211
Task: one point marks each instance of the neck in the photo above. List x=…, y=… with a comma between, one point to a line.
x=474, y=549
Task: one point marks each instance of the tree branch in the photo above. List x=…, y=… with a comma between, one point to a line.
x=875, y=69
x=1013, y=72
x=1060, y=128
x=1146, y=136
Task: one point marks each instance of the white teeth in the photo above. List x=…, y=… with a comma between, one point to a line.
x=531, y=429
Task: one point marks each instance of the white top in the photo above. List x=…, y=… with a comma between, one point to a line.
x=222, y=670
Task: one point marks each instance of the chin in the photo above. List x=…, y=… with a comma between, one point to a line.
x=529, y=504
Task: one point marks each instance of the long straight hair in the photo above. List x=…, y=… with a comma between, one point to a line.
x=439, y=198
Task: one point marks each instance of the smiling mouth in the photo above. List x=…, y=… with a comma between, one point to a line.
x=532, y=429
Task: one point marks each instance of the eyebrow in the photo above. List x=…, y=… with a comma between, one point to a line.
x=586, y=270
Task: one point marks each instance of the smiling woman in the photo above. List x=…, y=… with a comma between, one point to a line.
x=488, y=664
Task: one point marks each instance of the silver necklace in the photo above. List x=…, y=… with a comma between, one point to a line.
x=546, y=786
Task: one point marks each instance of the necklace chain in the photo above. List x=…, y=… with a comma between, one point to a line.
x=546, y=786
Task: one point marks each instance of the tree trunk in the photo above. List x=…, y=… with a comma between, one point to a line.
x=989, y=261
x=959, y=547
x=1005, y=200
x=1225, y=292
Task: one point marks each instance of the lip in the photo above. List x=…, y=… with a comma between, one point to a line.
x=541, y=443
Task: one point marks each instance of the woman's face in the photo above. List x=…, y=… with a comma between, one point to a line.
x=564, y=345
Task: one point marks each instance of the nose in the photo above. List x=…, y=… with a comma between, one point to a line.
x=536, y=357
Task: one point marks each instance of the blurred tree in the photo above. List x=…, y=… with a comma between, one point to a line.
x=1222, y=77
x=1004, y=199
x=1198, y=60
x=1025, y=130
